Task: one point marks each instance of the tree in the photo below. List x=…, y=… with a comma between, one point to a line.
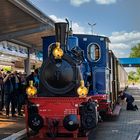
x=131, y=75
x=135, y=51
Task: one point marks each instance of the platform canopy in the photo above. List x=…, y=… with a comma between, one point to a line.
x=130, y=62
x=21, y=22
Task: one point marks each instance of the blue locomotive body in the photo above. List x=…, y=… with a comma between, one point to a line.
x=99, y=69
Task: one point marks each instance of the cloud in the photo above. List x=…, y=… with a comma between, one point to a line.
x=56, y=19
x=120, y=54
x=125, y=37
x=77, y=29
x=120, y=46
x=78, y=2
x=106, y=1
x=122, y=42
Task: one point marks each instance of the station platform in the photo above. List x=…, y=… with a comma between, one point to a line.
x=10, y=126
x=126, y=126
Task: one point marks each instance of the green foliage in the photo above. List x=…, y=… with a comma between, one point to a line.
x=133, y=76
x=135, y=52
x=138, y=71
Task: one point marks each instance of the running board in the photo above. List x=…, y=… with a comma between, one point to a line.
x=116, y=110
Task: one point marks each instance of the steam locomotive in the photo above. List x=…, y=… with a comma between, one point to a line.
x=79, y=81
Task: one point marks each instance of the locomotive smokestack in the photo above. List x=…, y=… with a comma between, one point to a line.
x=61, y=30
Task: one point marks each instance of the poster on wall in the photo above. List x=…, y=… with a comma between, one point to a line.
x=13, y=49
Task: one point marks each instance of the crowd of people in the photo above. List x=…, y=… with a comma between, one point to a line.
x=13, y=91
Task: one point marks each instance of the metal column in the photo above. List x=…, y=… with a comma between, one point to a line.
x=27, y=64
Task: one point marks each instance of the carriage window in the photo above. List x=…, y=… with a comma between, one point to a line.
x=94, y=52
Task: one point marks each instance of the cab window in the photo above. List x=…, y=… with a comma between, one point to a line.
x=94, y=52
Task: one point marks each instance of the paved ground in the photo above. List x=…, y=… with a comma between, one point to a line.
x=10, y=126
x=124, y=127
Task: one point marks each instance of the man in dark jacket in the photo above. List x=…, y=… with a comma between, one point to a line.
x=9, y=94
x=129, y=99
x=1, y=92
x=22, y=93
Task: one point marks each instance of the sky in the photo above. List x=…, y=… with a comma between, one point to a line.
x=117, y=19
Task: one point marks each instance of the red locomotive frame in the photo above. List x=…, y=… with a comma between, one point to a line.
x=54, y=108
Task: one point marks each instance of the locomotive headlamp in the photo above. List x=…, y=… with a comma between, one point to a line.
x=82, y=90
x=57, y=52
x=31, y=90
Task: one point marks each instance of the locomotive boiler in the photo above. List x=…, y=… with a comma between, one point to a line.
x=64, y=69
x=62, y=107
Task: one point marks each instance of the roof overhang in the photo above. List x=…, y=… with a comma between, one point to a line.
x=21, y=22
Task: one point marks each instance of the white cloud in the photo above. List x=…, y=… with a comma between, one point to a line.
x=125, y=37
x=120, y=54
x=56, y=19
x=77, y=29
x=122, y=42
x=78, y=2
x=120, y=46
x=106, y=1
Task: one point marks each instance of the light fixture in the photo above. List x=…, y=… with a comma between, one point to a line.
x=57, y=51
x=82, y=90
x=31, y=90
